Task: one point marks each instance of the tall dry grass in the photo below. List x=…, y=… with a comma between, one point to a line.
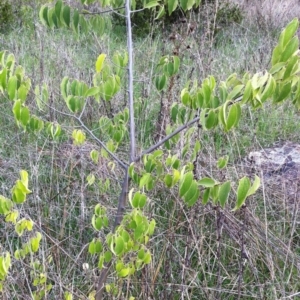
x=274, y=13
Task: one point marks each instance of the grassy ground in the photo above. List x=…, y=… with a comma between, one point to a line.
x=199, y=252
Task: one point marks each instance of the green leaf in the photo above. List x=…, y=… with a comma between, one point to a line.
x=83, y=24
x=223, y=93
x=3, y=78
x=222, y=162
x=207, y=92
x=50, y=14
x=214, y=193
x=18, y=196
x=95, y=246
x=151, y=4
x=277, y=67
x=197, y=146
x=17, y=110
x=206, y=196
x=43, y=15
x=58, y=8
x=160, y=82
x=268, y=90
x=185, y=183
x=288, y=33
x=168, y=180
x=109, y=88
x=144, y=180
x=97, y=222
x=99, y=62
x=119, y=245
x=210, y=120
x=242, y=192
x=192, y=195
x=76, y=21
x=160, y=13
x=187, y=5
x=12, y=216
x=22, y=92
x=172, y=5
x=233, y=116
x=5, y=205
x=24, y=116
x=107, y=256
x=290, y=49
x=176, y=63
x=236, y=91
x=247, y=92
x=290, y=67
x=222, y=114
x=281, y=93
x=92, y=92
x=24, y=178
x=254, y=187
x=276, y=55
x=124, y=272
x=66, y=14
x=94, y=154
x=12, y=87
x=224, y=193
x=54, y=130
x=64, y=87
x=147, y=258
x=185, y=97
x=22, y=187
x=139, y=200
x=90, y=179
x=207, y=182
x=78, y=137
x=35, y=242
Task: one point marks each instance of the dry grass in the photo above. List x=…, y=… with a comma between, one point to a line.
x=198, y=253
x=273, y=13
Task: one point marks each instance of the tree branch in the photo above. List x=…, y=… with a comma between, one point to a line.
x=166, y=138
x=178, y=130
x=86, y=12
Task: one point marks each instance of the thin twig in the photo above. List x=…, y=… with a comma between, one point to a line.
x=86, y=12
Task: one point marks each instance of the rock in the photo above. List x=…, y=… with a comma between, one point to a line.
x=279, y=169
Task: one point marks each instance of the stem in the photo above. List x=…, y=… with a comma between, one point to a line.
x=130, y=81
x=123, y=196
x=243, y=253
x=120, y=212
